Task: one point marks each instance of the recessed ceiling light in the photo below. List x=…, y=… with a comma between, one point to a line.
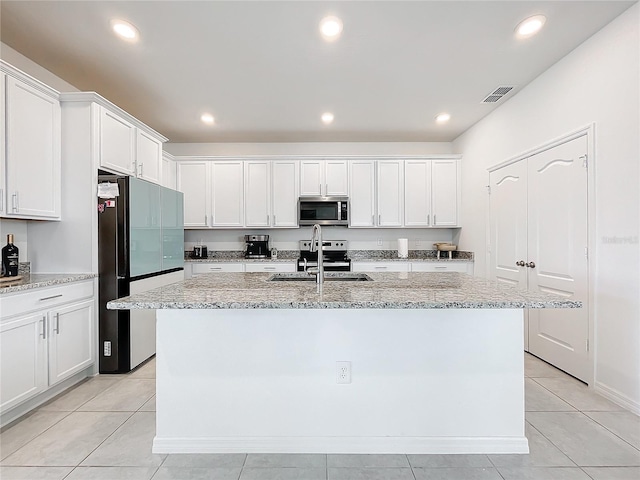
x=330, y=28
x=327, y=118
x=125, y=30
x=443, y=118
x=207, y=118
x=530, y=26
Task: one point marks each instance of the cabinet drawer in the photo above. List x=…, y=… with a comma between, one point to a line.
x=380, y=267
x=200, y=268
x=44, y=298
x=438, y=267
x=270, y=267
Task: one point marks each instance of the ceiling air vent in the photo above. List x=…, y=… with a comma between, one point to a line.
x=498, y=93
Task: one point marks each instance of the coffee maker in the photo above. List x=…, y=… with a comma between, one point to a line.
x=257, y=246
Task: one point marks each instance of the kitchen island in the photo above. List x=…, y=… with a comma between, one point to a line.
x=247, y=364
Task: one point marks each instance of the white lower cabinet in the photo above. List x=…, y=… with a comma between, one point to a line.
x=270, y=267
x=463, y=267
x=200, y=268
x=380, y=267
x=46, y=336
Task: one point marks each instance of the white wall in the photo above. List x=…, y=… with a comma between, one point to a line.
x=310, y=148
x=599, y=82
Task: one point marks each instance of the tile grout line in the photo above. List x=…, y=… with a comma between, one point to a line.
x=556, y=446
x=606, y=428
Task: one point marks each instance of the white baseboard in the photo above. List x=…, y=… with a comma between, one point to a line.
x=617, y=397
x=353, y=445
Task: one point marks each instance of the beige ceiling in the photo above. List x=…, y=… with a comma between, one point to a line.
x=262, y=69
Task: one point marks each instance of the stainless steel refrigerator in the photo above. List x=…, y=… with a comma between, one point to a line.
x=141, y=246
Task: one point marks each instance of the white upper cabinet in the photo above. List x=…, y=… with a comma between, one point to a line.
x=117, y=143
x=362, y=201
x=284, y=193
x=169, y=171
x=417, y=193
x=129, y=148
x=32, y=165
x=445, y=192
x=324, y=178
x=193, y=182
x=148, y=157
x=257, y=187
x=390, y=202
x=3, y=167
x=227, y=194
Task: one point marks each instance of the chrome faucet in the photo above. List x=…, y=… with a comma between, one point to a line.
x=316, y=236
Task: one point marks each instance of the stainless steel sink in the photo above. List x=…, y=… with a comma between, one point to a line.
x=328, y=277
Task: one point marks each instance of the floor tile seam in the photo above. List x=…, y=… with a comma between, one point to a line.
x=610, y=431
x=556, y=446
x=584, y=471
x=106, y=438
x=36, y=436
x=555, y=394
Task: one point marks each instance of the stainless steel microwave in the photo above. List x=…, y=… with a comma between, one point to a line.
x=323, y=211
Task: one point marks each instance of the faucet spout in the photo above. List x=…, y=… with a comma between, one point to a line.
x=316, y=236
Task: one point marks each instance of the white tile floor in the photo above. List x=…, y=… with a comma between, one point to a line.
x=103, y=430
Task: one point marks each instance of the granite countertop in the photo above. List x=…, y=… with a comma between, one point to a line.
x=40, y=280
x=387, y=290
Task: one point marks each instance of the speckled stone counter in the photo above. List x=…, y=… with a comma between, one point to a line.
x=404, y=290
x=40, y=280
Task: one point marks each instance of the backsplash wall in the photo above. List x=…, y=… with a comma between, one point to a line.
x=287, y=239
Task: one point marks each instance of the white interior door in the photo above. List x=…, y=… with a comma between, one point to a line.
x=557, y=242
x=508, y=228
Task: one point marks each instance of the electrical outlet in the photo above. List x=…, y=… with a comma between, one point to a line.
x=418, y=243
x=107, y=348
x=379, y=242
x=343, y=372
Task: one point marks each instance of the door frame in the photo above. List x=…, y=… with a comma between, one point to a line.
x=588, y=130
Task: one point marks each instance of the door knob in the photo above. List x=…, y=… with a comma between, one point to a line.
x=520, y=263
x=531, y=265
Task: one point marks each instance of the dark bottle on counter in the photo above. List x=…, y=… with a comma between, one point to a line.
x=10, y=258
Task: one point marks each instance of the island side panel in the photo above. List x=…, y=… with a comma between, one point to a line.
x=264, y=380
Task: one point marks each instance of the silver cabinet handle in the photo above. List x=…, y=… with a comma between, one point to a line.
x=141, y=165
x=381, y=268
x=274, y=220
x=44, y=327
x=14, y=202
x=1, y=200
x=520, y=263
x=320, y=185
x=441, y=268
x=434, y=219
x=326, y=189
x=57, y=327
x=49, y=298
x=428, y=218
x=215, y=268
x=206, y=219
x=531, y=265
x=379, y=219
x=373, y=219
x=269, y=268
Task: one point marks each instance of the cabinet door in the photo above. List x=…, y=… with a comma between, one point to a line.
x=390, y=193
x=23, y=363
x=70, y=340
x=172, y=223
x=168, y=173
x=33, y=166
x=362, y=177
x=336, y=181
x=284, y=193
x=417, y=193
x=257, y=196
x=270, y=267
x=145, y=245
x=311, y=177
x=193, y=182
x=462, y=267
x=228, y=198
x=3, y=165
x=381, y=266
x=148, y=157
x=117, y=144
x=216, y=267
x=444, y=187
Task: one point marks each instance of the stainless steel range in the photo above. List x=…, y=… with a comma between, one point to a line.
x=335, y=256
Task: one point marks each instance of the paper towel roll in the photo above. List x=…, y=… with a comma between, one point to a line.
x=403, y=248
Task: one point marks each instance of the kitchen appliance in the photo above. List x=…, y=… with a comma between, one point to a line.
x=323, y=211
x=257, y=246
x=140, y=247
x=199, y=251
x=334, y=256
